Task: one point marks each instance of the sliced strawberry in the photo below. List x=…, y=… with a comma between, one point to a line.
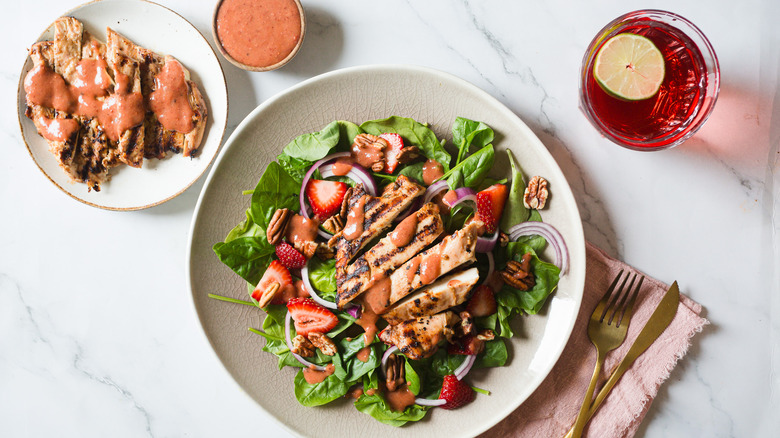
x=325, y=197
x=467, y=346
x=289, y=256
x=278, y=273
x=482, y=302
x=490, y=205
x=391, y=154
x=310, y=316
x=455, y=392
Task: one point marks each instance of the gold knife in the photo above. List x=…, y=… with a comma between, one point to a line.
x=658, y=322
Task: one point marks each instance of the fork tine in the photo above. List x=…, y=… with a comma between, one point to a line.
x=624, y=293
x=629, y=309
x=611, y=307
x=601, y=307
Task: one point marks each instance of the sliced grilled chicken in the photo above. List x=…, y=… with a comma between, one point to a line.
x=446, y=292
x=119, y=57
x=454, y=250
x=418, y=338
x=378, y=215
x=385, y=256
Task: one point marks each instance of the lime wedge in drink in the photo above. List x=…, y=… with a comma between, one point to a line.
x=630, y=67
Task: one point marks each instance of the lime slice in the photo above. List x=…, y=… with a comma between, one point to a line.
x=630, y=67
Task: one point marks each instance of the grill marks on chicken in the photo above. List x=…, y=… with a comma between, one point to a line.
x=100, y=118
x=385, y=256
x=419, y=338
x=446, y=292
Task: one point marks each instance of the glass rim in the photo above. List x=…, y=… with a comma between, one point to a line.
x=710, y=92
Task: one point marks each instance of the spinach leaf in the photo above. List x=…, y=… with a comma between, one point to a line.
x=246, y=256
x=467, y=133
x=514, y=210
x=245, y=228
x=347, y=133
x=322, y=276
x=295, y=167
x=471, y=171
x=375, y=406
x=316, y=145
x=412, y=379
x=348, y=367
x=494, y=355
x=275, y=189
x=458, y=216
x=413, y=171
x=321, y=393
x=443, y=363
x=414, y=133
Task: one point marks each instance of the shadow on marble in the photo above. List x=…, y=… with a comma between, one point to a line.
x=683, y=366
x=322, y=45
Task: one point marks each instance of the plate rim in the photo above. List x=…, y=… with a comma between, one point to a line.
x=206, y=168
x=577, y=230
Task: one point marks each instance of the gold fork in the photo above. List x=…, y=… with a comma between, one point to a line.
x=607, y=329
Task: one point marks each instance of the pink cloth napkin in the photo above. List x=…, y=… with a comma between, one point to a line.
x=551, y=410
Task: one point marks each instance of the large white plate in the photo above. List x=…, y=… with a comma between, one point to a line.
x=359, y=94
x=163, y=31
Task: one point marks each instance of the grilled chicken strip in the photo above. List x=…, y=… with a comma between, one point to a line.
x=418, y=338
x=385, y=256
x=454, y=250
x=127, y=74
x=378, y=214
x=446, y=292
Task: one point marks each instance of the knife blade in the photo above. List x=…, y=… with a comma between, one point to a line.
x=660, y=319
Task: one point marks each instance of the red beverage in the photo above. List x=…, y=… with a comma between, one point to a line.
x=684, y=100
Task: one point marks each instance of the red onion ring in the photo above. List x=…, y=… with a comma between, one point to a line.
x=491, y=266
x=313, y=291
x=357, y=170
x=434, y=189
x=464, y=194
x=305, y=362
x=486, y=244
x=552, y=235
x=465, y=367
x=419, y=401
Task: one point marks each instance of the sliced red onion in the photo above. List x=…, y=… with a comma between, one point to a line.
x=434, y=189
x=357, y=174
x=486, y=244
x=491, y=266
x=313, y=291
x=385, y=356
x=305, y=362
x=552, y=235
x=464, y=194
x=429, y=402
x=465, y=367
x=355, y=311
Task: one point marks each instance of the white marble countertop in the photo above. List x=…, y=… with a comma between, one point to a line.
x=99, y=337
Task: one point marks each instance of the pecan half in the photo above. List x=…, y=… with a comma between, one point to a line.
x=333, y=224
x=503, y=239
x=278, y=225
x=323, y=342
x=486, y=335
x=408, y=154
x=324, y=252
x=466, y=324
x=535, y=195
x=369, y=151
x=345, y=203
x=268, y=295
x=306, y=247
x=302, y=347
x=518, y=274
x=395, y=372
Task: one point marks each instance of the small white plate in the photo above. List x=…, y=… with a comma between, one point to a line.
x=359, y=94
x=159, y=29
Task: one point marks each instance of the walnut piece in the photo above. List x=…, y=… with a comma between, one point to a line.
x=302, y=347
x=333, y=224
x=535, y=196
x=323, y=342
x=395, y=372
x=269, y=294
x=278, y=225
x=518, y=274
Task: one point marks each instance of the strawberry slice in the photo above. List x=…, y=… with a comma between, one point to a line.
x=290, y=257
x=391, y=154
x=482, y=302
x=310, y=316
x=467, y=345
x=276, y=272
x=325, y=197
x=490, y=205
x=455, y=392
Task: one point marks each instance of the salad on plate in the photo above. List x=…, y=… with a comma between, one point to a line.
x=389, y=264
